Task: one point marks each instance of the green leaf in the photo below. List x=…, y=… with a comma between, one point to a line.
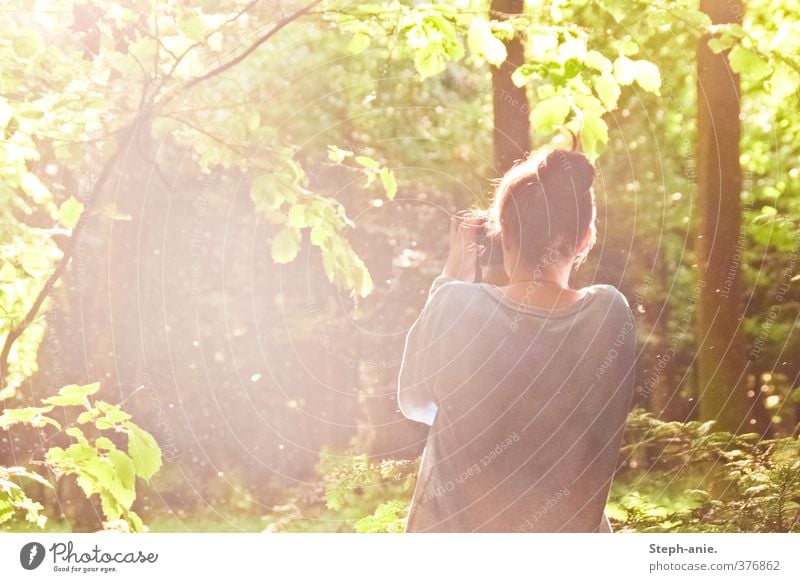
x=253, y=120
x=65, y=400
x=125, y=472
x=389, y=517
x=430, y=60
x=624, y=70
x=111, y=507
x=28, y=43
x=627, y=47
x=590, y=104
x=647, y=76
x=75, y=433
x=70, y=212
x=367, y=162
x=746, y=62
x=285, y=245
x=104, y=443
x=362, y=280
x=607, y=89
x=769, y=210
x=338, y=155
x=193, y=27
x=6, y=507
x=297, y=216
x=32, y=114
x=111, y=212
x=485, y=45
x=82, y=389
x=389, y=183
x=135, y=522
x=542, y=44
x=113, y=414
x=88, y=416
x=8, y=273
x=571, y=68
x=521, y=75
x=573, y=48
x=11, y=128
x=265, y=192
x=359, y=43
x=598, y=62
x=32, y=416
x=336, y=495
x=144, y=452
x=722, y=43
x=320, y=234
x=550, y=114
x=593, y=134
x=23, y=472
x=73, y=395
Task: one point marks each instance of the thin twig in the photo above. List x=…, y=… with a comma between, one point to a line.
x=259, y=41
x=234, y=147
x=153, y=163
x=178, y=59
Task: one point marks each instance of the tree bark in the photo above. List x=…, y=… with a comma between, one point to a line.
x=722, y=362
x=512, y=128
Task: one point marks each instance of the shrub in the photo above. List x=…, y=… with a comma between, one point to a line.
x=96, y=457
x=673, y=476
x=687, y=477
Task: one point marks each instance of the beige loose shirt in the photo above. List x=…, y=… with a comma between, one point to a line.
x=526, y=406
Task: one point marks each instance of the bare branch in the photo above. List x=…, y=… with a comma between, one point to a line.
x=68, y=251
x=259, y=41
x=238, y=148
x=129, y=134
x=178, y=59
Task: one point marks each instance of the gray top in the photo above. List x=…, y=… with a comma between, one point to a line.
x=527, y=407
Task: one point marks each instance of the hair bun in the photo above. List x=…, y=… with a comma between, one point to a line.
x=566, y=170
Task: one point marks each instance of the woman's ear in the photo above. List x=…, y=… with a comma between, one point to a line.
x=583, y=249
x=504, y=242
x=585, y=242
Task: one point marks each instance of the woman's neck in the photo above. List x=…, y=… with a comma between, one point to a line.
x=546, y=287
x=554, y=275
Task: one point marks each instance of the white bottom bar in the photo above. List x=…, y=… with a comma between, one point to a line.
x=387, y=558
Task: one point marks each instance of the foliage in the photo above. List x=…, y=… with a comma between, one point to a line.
x=575, y=85
x=84, y=82
x=676, y=477
x=175, y=49
x=13, y=497
x=100, y=466
x=354, y=494
x=687, y=477
x=389, y=517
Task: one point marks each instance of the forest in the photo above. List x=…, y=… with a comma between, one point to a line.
x=221, y=217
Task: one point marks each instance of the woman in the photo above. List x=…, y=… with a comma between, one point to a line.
x=526, y=386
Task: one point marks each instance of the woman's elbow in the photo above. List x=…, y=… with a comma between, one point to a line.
x=418, y=411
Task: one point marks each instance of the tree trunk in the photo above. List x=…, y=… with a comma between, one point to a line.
x=722, y=363
x=512, y=128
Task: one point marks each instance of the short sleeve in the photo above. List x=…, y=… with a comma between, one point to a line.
x=422, y=357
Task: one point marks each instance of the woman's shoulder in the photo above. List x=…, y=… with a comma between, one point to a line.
x=607, y=290
x=446, y=288
x=612, y=297
x=446, y=291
